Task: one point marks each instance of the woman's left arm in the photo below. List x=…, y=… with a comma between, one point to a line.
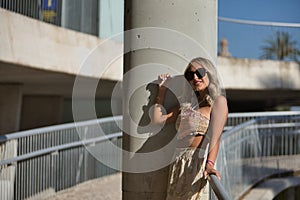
x=219, y=115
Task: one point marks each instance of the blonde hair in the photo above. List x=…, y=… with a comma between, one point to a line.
x=214, y=87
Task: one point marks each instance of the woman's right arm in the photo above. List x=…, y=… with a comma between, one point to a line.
x=160, y=115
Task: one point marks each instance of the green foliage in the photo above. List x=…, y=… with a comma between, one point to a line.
x=280, y=47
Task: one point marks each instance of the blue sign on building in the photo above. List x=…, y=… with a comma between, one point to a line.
x=49, y=4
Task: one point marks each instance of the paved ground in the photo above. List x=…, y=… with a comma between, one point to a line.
x=272, y=187
x=106, y=188
x=109, y=187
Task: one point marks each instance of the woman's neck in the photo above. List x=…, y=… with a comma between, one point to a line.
x=201, y=95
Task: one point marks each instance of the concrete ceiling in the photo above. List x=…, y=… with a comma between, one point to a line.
x=41, y=82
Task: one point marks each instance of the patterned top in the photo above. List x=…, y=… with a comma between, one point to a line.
x=197, y=121
x=186, y=180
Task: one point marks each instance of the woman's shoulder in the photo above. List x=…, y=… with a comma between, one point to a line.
x=220, y=100
x=220, y=103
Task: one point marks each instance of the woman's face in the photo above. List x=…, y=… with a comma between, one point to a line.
x=198, y=84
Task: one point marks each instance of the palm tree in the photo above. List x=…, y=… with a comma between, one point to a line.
x=280, y=47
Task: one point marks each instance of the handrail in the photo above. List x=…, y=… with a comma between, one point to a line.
x=235, y=119
x=238, y=127
x=119, y=117
x=60, y=143
x=58, y=157
x=60, y=147
x=262, y=118
x=263, y=114
x=37, y=131
x=218, y=188
x=251, y=143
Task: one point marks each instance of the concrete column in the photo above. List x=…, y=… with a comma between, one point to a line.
x=10, y=107
x=196, y=20
x=39, y=111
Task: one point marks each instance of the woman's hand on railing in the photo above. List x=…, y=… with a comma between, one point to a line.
x=209, y=169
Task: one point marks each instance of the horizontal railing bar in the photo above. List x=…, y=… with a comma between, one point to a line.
x=240, y=141
x=278, y=125
x=263, y=114
x=248, y=125
x=60, y=147
x=239, y=127
x=37, y=131
x=273, y=126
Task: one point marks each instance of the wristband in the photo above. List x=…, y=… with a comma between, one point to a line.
x=211, y=163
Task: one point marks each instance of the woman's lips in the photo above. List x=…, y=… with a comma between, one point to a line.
x=198, y=82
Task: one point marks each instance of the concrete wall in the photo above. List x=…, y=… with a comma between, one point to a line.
x=43, y=61
x=259, y=74
x=260, y=85
x=31, y=43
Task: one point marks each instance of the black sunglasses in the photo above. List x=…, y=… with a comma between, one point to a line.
x=200, y=72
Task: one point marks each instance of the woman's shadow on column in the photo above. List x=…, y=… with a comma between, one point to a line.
x=160, y=135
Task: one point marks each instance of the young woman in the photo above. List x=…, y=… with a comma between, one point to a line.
x=199, y=119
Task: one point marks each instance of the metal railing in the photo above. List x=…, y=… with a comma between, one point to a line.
x=218, y=189
x=43, y=161
x=46, y=160
x=79, y=15
x=43, y=10
x=235, y=119
x=257, y=149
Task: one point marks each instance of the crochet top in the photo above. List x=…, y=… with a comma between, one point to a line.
x=198, y=123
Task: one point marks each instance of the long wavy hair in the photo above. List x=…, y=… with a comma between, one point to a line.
x=214, y=87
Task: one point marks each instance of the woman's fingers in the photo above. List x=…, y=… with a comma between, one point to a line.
x=211, y=171
x=163, y=78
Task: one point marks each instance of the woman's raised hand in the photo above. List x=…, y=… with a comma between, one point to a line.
x=163, y=79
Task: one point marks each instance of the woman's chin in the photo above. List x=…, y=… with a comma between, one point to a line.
x=199, y=89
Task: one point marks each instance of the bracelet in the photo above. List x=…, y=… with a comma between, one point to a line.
x=210, y=163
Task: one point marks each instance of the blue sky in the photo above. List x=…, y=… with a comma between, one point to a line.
x=245, y=41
